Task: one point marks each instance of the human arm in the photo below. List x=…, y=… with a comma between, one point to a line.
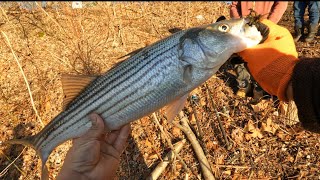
x=275, y=65
x=271, y=63
x=235, y=9
x=277, y=10
x=95, y=155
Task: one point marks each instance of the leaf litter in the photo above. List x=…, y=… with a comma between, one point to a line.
x=264, y=145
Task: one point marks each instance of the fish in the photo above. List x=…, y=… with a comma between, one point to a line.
x=161, y=74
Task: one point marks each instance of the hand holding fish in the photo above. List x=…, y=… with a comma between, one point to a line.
x=271, y=63
x=95, y=155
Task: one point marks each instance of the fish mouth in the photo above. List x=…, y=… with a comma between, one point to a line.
x=262, y=28
x=251, y=34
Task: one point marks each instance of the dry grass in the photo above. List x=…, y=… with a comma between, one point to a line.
x=50, y=42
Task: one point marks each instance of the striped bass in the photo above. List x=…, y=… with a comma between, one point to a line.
x=161, y=74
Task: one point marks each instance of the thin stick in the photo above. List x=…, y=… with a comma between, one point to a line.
x=200, y=132
x=218, y=117
x=169, y=142
x=4, y=171
x=50, y=17
x=24, y=77
x=5, y=15
x=129, y=169
x=197, y=119
x=204, y=164
x=232, y=166
x=166, y=160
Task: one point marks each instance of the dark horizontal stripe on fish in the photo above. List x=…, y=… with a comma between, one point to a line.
x=117, y=102
x=144, y=53
x=91, y=94
x=105, y=82
x=87, y=96
x=107, y=90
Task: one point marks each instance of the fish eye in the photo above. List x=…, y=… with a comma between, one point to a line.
x=224, y=28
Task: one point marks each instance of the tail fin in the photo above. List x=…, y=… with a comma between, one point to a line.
x=29, y=141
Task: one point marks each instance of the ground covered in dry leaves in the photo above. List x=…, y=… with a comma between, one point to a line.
x=263, y=141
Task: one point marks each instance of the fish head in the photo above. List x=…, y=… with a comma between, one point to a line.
x=212, y=45
x=233, y=35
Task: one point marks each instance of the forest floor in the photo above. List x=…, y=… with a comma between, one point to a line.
x=264, y=140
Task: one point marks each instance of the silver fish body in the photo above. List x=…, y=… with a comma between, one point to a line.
x=154, y=77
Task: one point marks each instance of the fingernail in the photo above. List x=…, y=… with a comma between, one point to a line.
x=94, y=119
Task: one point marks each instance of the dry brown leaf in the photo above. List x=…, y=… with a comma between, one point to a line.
x=263, y=104
x=48, y=106
x=144, y=121
x=249, y=127
x=212, y=145
x=192, y=118
x=255, y=133
x=290, y=158
x=218, y=89
x=236, y=102
x=203, y=102
x=236, y=176
x=227, y=172
x=241, y=94
x=220, y=159
x=237, y=135
x=251, y=131
x=148, y=143
x=281, y=135
x=269, y=126
x=153, y=156
x=176, y=131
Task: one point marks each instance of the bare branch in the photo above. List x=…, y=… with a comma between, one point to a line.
x=166, y=160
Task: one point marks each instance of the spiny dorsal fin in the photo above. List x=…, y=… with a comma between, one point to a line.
x=175, y=107
x=72, y=85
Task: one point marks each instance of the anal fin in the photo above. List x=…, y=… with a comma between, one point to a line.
x=175, y=107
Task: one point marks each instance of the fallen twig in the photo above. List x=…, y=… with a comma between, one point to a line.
x=24, y=77
x=232, y=166
x=170, y=144
x=200, y=132
x=204, y=164
x=218, y=117
x=166, y=160
x=4, y=171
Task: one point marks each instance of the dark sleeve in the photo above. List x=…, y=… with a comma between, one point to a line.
x=306, y=92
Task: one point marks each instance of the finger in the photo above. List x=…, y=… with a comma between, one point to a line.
x=95, y=131
x=120, y=142
x=112, y=136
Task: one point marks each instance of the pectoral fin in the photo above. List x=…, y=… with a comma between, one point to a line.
x=72, y=85
x=175, y=107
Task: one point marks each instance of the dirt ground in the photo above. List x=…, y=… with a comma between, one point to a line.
x=263, y=142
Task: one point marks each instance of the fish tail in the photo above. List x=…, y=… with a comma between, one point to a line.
x=29, y=141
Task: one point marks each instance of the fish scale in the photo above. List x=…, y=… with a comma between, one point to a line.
x=162, y=73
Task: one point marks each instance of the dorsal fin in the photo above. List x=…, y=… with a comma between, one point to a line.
x=72, y=85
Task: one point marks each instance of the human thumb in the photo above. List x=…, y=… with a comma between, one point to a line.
x=96, y=129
